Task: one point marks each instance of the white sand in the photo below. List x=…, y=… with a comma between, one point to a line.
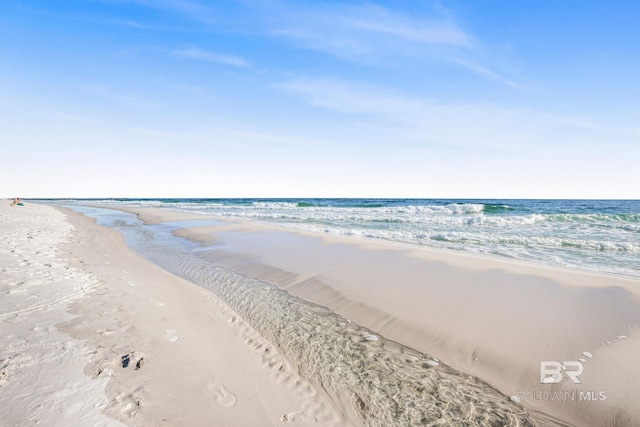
x=41, y=369
x=198, y=363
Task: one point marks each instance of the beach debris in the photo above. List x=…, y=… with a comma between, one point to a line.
x=139, y=363
x=587, y=354
x=580, y=359
x=621, y=337
x=515, y=399
x=125, y=360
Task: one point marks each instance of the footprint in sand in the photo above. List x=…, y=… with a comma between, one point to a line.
x=172, y=335
x=297, y=416
x=4, y=378
x=223, y=396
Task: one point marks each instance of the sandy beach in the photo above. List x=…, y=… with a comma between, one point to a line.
x=92, y=334
x=493, y=318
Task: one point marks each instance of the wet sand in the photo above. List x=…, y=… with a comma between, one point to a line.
x=491, y=318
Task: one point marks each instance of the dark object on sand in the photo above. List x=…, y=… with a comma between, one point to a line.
x=125, y=360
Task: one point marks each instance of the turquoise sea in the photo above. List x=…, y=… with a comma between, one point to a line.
x=595, y=235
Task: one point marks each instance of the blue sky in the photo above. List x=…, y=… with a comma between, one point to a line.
x=262, y=98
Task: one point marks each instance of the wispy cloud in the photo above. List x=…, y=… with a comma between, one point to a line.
x=130, y=23
x=378, y=20
x=217, y=58
x=137, y=25
x=349, y=97
x=473, y=125
x=189, y=8
x=370, y=33
x=487, y=73
x=363, y=31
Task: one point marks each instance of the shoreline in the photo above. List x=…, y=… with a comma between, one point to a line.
x=208, y=359
x=169, y=352
x=503, y=347
x=377, y=382
x=159, y=215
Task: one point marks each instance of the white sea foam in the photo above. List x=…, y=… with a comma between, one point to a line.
x=586, y=238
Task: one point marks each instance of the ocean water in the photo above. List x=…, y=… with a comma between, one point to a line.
x=595, y=235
